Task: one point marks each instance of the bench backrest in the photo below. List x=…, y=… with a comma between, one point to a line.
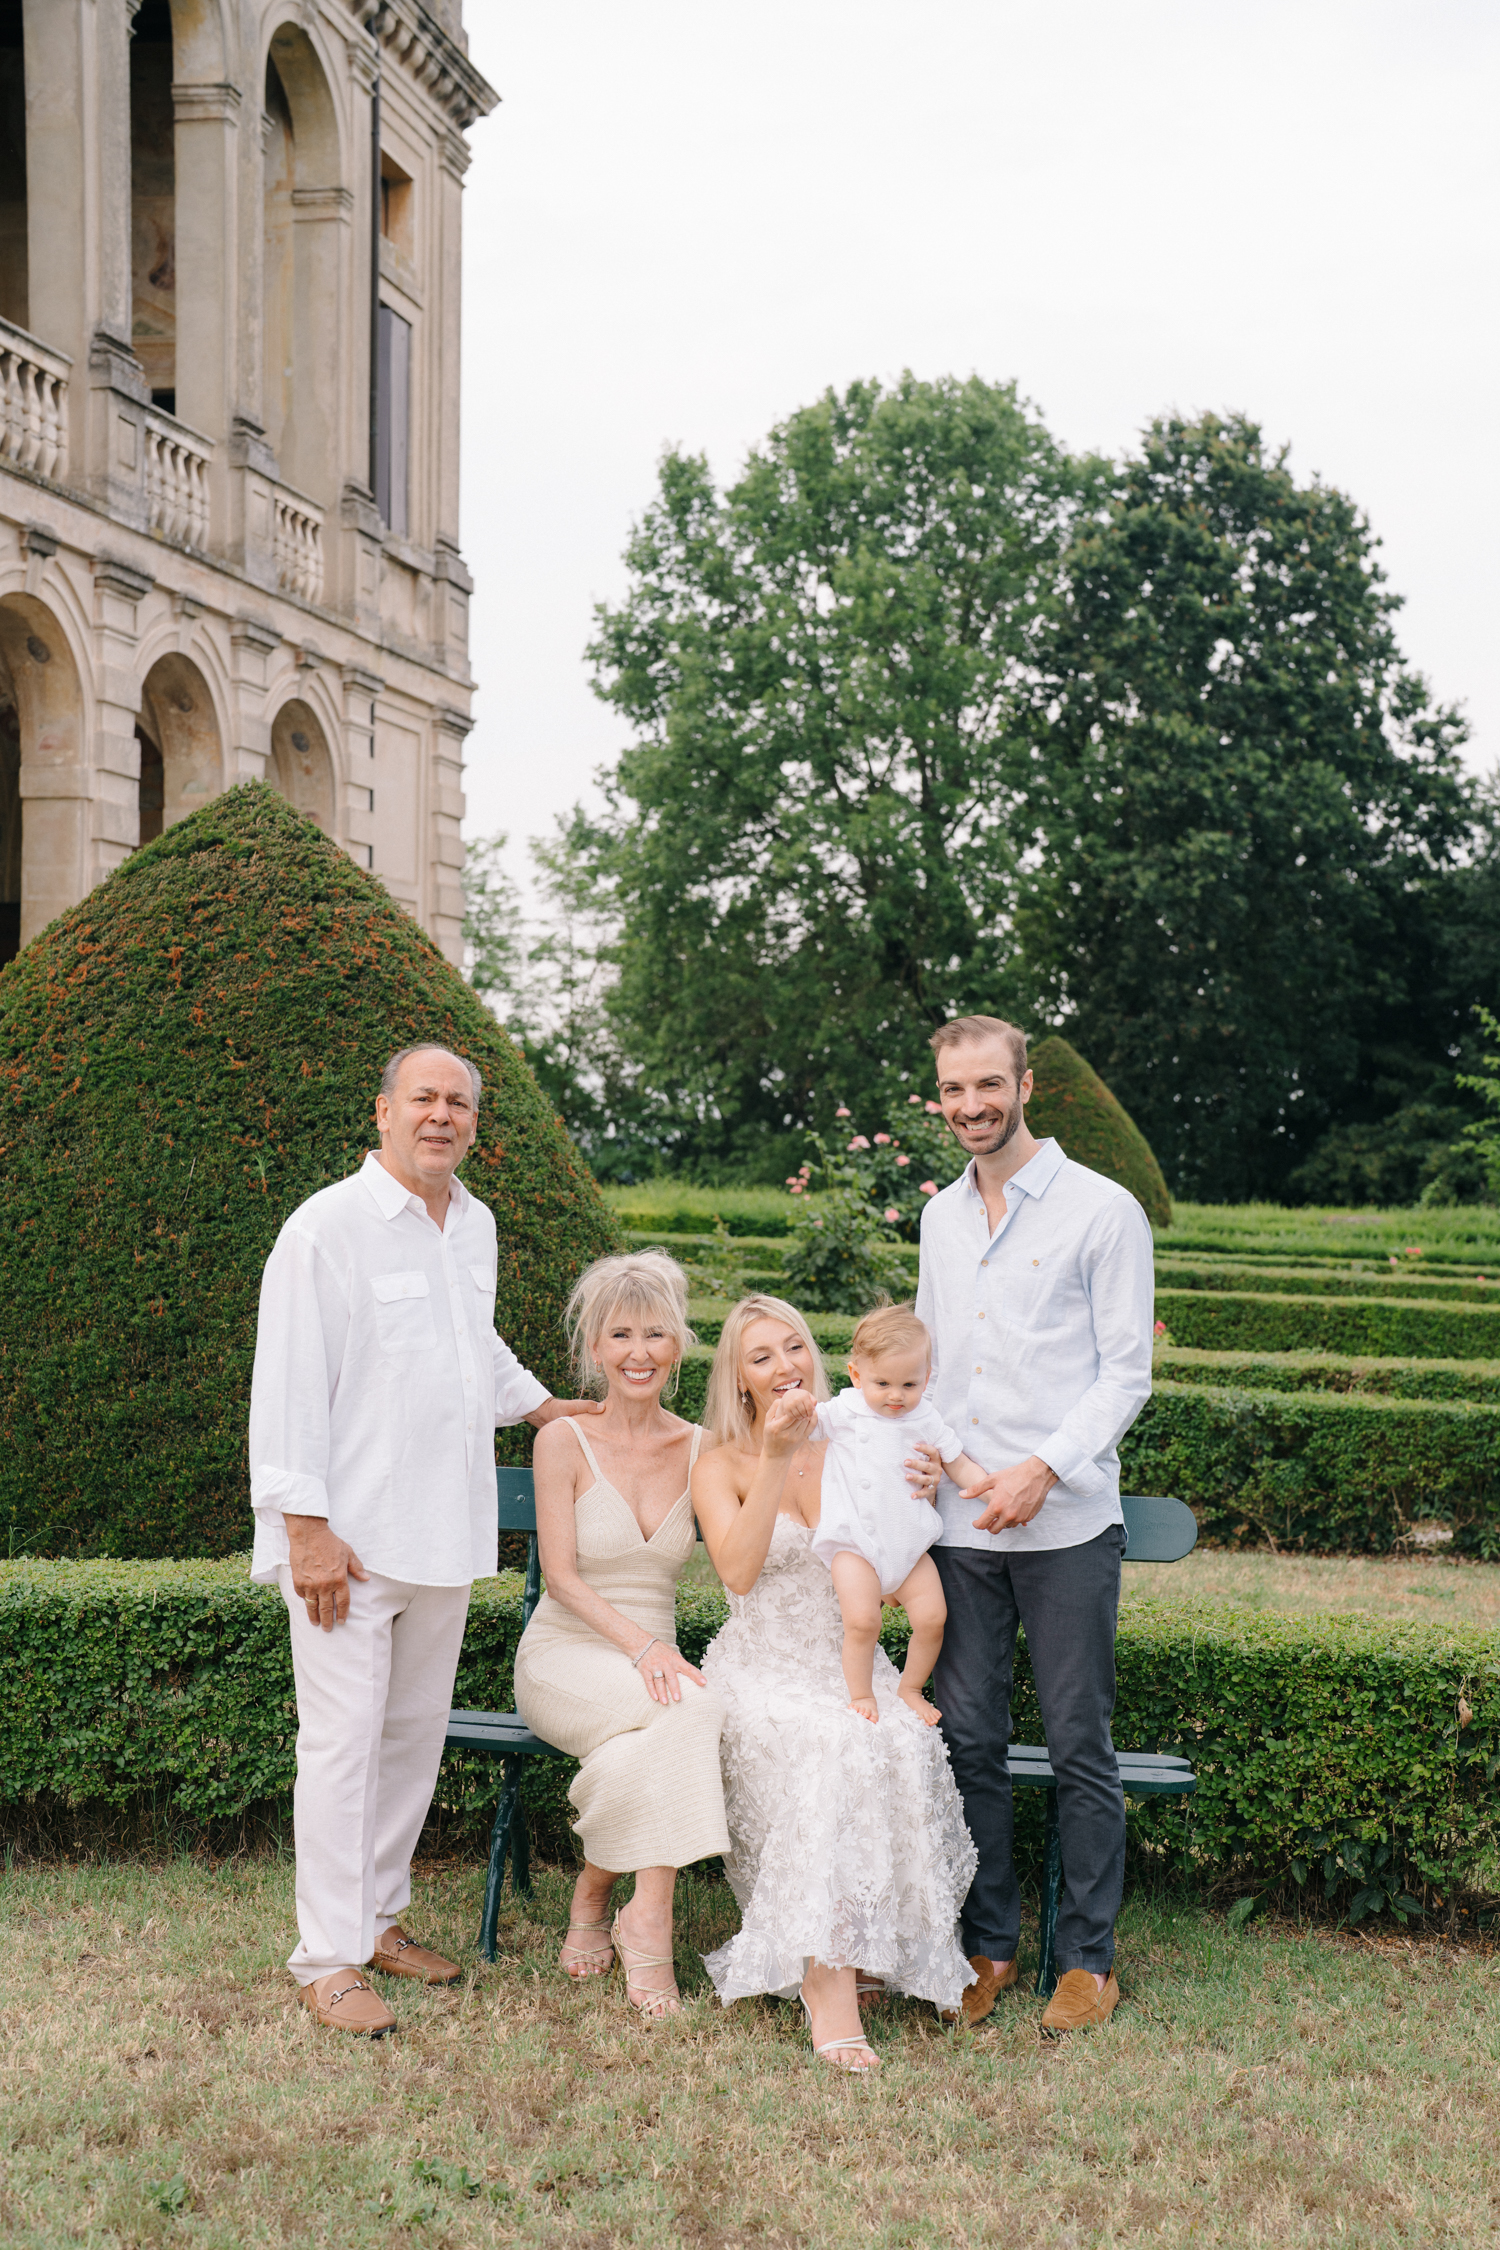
x=1158, y=1530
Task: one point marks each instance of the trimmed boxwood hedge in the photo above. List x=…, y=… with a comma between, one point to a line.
x=1319, y=1471
x=173, y=1680
x=1071, y=1104
x=1359, y=1327
x=183, y=1058
x=1477, y=1380
x=1303, y=1281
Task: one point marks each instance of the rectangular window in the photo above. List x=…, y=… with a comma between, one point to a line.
x=394, y=410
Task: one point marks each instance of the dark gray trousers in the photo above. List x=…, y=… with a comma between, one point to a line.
x=1068, y=1600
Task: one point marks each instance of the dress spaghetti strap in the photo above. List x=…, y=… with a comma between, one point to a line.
x=588, y=1451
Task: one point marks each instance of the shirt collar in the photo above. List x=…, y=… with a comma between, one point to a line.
x=391, y=1198
x=1035, y=1176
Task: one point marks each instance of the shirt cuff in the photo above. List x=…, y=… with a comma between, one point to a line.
x=287, y=1492
x=1072, y=1466
x=522, y=1397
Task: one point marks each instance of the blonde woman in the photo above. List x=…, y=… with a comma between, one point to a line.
x=848, y=1855
x=597, y=1671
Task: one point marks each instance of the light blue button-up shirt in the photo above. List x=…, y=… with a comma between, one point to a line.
x=1041, y=1339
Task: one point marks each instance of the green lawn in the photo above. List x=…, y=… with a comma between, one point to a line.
x=160, y=2086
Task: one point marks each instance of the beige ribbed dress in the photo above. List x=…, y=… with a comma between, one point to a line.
x=648, y=1792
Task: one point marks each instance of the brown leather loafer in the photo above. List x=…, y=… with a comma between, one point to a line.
x=397, y=1955
x=345, y=2002
x=979, y=1999
x=1078, y=2004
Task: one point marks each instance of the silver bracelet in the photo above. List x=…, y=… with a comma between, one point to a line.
x=640, y=1652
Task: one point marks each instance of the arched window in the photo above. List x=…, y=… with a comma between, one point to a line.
x=153, y=202
x=301, y=767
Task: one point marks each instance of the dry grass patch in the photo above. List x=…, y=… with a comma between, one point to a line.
x=161, y=2086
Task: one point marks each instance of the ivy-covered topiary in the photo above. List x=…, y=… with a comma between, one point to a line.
x=184, y=1058
x=1070, y=1103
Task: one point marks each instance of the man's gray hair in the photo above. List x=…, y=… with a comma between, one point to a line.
x=392, y=1070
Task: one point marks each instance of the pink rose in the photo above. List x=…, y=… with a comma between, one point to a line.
x=859, y=1141
x=893, y=1213
x=841, y=1113
x=882, y=1140
x=903, y=1160
x=933, y=1109
x=1160, y=1329
x=928, y=1187
x=799, y=1187
x=818, y=1223
x=916, y=1098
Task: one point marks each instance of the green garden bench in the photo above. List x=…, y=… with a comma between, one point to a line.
x=1156, y=1531
x=505, y=1734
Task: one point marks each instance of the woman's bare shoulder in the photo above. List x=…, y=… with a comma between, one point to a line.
x=556, y=1445
x=721, y=1470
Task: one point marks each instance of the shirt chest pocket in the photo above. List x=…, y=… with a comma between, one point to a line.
x=403, y=1313
x=484, y=1283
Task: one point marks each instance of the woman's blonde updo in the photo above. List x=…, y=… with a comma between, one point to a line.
x=644, y=1283
x=727, y=1412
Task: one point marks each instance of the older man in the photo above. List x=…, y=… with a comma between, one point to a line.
x=1036, y=1288
x=379, y=1380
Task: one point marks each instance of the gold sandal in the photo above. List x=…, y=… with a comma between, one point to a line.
x=660, y=1999
x=831, y=2049
x=584, y=1952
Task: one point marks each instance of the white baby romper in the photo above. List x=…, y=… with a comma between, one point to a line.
x=868, y=1506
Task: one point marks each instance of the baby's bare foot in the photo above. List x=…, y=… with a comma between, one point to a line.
x=866, y=1706
x=915, y=1700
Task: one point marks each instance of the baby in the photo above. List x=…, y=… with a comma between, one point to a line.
x=874, y=1532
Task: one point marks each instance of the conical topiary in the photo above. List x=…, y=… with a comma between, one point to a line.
x=183, y=1058
x=1070, y=1103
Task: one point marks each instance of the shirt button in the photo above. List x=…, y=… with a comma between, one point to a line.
x=981, y=1316
x=864, y=1484
x=974, y=1418
x=979, y=1370
x=984, y=1261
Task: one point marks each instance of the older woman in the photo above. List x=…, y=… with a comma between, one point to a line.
x=597, y=1672
x=849, y=1855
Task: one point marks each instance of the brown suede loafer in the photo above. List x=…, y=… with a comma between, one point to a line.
x=979, y=1999
x=345, y=2002
x=1078, y=2004
x=397, y=1955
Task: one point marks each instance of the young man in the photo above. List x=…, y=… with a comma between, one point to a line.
x=1036, y=1287
x=379, y=1382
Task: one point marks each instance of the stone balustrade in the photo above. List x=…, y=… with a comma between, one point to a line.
x=176, y=467
x=297, y=544
x=33, y=403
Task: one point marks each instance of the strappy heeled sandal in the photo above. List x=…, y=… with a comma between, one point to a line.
x=660, y=1999
x=585, y=1952
x=831, y=2049
x=868, y=1989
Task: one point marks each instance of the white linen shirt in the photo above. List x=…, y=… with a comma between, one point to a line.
x=379, y=1382
x=1041, y=1339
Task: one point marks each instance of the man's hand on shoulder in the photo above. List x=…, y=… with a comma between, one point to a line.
x=1012, y=1496
x=553, y=1410
x=322, y=1566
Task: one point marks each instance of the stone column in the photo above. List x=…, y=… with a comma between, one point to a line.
x=210, y=279
x=253, y=641
x=445, y=812
x=115, y=830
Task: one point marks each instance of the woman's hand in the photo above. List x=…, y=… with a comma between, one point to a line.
x=663, y=1671
x=924, y=1469
x=789, y=1423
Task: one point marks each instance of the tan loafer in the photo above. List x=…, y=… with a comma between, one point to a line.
x=979, y=1999
x=345, y=2002
x=397, y=1955
x=1078, y=2004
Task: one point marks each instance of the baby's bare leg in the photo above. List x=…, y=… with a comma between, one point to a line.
x=920, y=1594
x=857, y=1584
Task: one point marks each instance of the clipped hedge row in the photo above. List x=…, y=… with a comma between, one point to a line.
x=1320, y=1471
x=1359, y=1327
x=174, y=1680
x=1477, y=1380
x=1305, y=1281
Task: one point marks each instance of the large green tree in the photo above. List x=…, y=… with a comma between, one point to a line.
x=1246, y=815
x=811, y=845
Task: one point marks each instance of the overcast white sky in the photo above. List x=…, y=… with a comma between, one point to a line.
x=687, y=218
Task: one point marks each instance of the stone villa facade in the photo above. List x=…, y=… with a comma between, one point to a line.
x=226, y=552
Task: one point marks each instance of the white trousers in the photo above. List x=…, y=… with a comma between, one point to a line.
x=373, y=1698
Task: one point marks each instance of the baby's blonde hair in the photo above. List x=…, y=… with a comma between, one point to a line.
x=889, y=1328
x=646, y=1283
x=726, y=1412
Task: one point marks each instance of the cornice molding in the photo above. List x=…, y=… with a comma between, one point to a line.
x=414, y=38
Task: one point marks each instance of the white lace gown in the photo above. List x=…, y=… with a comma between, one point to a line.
x=847, y=1840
